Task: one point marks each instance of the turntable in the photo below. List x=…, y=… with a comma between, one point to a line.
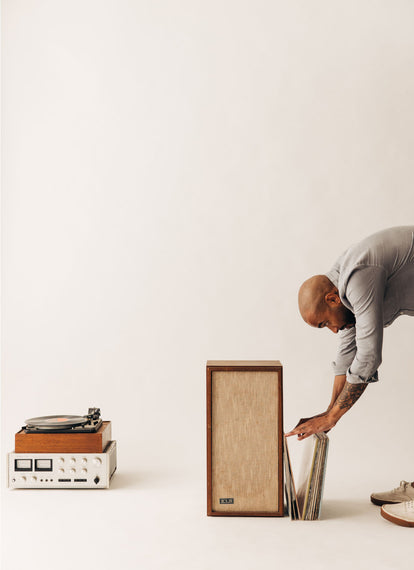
x=64, y=433
x=63, y=451
x=65, y=424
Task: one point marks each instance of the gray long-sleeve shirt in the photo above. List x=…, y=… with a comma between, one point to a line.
x=375, y=280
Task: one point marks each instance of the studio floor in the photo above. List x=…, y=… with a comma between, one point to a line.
x=156, y=520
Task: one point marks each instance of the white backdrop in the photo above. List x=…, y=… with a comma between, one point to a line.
x=171, y=172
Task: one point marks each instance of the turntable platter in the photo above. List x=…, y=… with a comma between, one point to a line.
x=56, y=422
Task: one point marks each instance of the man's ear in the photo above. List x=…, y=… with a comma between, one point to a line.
x=332, y=298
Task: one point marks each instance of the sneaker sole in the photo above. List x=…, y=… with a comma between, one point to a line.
x=379, y=502
x=396, y=520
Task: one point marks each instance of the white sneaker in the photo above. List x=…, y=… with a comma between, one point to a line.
x=405, y=492
x=401, y=513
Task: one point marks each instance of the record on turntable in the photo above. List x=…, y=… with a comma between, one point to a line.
x=65, y=423
x=56, y=422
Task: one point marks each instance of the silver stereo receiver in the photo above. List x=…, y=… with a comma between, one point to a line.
x=62, y=470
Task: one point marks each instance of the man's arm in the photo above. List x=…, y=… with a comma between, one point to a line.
x=326, y=421
x=339, y=383
x=365, y=292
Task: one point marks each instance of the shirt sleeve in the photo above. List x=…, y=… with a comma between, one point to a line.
x=365, y=293
x=346, y=351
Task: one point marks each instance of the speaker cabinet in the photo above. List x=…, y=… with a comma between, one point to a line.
x=244, y=438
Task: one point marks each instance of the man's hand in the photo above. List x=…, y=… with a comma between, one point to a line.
x=308, y=426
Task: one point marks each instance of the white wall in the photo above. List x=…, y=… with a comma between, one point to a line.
x=172, y=171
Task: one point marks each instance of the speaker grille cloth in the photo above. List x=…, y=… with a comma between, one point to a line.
x=245, y=440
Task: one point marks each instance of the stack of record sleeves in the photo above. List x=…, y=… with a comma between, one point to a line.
x=304, y=500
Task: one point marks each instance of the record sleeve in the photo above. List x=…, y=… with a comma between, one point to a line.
x=305, y=502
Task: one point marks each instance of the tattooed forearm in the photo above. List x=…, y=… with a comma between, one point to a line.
x=349, y=395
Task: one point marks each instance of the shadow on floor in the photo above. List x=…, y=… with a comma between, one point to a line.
x=141, y=480
x=339, y=509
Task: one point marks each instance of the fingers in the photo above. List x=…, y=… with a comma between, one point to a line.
x=306, y=429
x=299, y=428
x=304, y=435
x=297, y=431
x=301, y=435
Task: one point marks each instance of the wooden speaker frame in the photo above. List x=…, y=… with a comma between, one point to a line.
x=254, y=367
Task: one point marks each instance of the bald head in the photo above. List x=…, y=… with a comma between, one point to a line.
x=312, y=293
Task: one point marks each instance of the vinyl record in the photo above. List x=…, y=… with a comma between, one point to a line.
x=56, y=422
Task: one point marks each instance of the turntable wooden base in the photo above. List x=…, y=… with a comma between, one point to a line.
x=63, y=442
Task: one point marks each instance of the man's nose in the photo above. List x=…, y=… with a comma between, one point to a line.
x=333, y=329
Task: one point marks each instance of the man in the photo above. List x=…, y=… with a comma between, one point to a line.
x=369, y=286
